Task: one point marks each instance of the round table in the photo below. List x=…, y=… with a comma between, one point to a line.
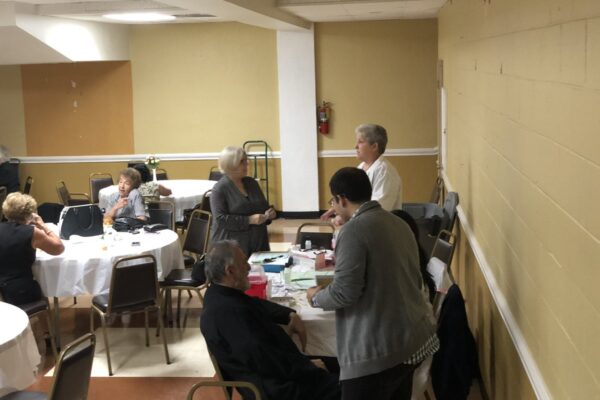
x=186, y=193
x=19, y=355
x=85, y=267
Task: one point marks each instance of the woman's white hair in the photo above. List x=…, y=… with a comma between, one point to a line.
x=4, y=154
x=230, y=158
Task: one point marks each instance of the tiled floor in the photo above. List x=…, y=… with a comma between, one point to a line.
x=141, y=373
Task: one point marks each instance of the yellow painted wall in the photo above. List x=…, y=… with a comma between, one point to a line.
x=381, y=72
x=12, y=118
x=522, y=81
x=418, y=176
x=201, y=87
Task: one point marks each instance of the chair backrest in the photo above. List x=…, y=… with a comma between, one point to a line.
x=444, y=247
x=215, y=174
x=449, y=211
x=73, y=369
x=198, y=232
x=437, y=191
x=162, y=212
x=28, y=183
x=225, y=384
x=205, y=203
x=99, y=180
x=161, y=174
x=219, y=374
x=63, y=193
x=134, y=282
x=318, y=239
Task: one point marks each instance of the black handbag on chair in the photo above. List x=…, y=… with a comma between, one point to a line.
x=85, y=220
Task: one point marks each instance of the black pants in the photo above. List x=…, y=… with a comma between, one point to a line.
x=391, y=384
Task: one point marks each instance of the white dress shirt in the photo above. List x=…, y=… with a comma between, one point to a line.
x=386, y=183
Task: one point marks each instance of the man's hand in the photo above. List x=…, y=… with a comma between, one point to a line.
x=328, y=214
x=297, y=326
x=319, y=363
x=311, y=292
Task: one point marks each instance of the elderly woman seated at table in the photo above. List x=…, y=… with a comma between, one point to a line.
x=127, y=202
x=240, y=210
x=150, y=190
x=20, y=236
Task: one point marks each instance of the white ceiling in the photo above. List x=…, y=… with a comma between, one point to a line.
x=289, y=11
x=47, y=31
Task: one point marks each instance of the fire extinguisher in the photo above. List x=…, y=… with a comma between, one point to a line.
x=323, y=115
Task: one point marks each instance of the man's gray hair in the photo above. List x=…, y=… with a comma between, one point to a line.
x=373, y=133
x=220, y=255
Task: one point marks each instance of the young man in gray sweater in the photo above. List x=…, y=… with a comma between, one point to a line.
x=384, y=326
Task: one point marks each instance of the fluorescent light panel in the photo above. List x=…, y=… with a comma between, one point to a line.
x=139, y=17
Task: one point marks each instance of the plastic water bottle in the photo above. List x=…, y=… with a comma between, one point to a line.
x=308, y=245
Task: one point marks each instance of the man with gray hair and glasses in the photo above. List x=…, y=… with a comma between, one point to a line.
x=244, y=335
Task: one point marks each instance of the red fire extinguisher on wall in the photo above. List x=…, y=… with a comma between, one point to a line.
x=323, y=115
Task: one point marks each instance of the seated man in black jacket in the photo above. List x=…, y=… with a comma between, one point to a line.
x=243, y=334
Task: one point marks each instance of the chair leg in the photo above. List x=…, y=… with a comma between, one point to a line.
x=164, y=335
x=52, y=333
x=178, y=306
x=104, y=333
x=91, y=320
x=146, y=326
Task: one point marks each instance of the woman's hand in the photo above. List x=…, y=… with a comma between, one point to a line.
x=257, y=219
x=270, y=213
x=36, y=220
x=122, y=202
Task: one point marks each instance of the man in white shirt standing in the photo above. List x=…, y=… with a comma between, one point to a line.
x=371, y=141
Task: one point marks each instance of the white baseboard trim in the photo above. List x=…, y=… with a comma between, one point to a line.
x=531, y=368
x=205, y=156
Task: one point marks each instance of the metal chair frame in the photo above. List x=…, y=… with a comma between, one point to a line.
x=66, y=197
x=129, y=262
x=326, y=237
x=27, y=186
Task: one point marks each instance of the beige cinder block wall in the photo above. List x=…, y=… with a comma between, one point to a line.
x=522, y=81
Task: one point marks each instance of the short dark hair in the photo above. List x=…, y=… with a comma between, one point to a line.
x=351, y=183
x=144, y=172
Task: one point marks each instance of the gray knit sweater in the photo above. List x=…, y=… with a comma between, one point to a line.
x=381, y=315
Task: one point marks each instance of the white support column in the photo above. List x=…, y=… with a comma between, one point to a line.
x=298, y=121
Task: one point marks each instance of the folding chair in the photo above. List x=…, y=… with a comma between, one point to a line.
x=28, y=183
x=133, y=288
x=162, y=212
x=71, y=374
x=66, y=198
x=161, y=174
x=318, y=240
x=99, y=180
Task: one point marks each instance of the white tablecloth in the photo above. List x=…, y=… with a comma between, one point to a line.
x=19, y=355
x=186, y=193
x=320, y=324
x=85, y=267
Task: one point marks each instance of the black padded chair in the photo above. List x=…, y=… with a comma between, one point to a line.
x=35, y=309
x=215, y=174
x=162, y=212
x=99, y=180
x=66, y=198
x=71, y=375
x=161, y=174
x=227, y=386
x=195, y=242
x=319, y=240
x=28, y=183
x=133, y=288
